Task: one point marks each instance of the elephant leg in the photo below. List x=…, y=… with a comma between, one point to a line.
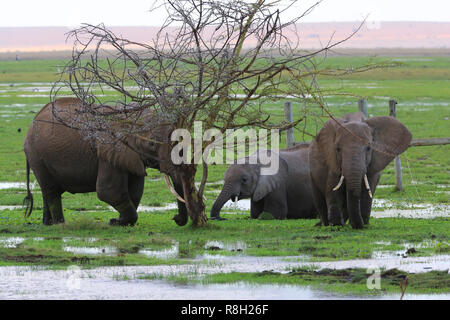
x=366, y=200
x=127, y=214
x=335, y=205
x=52, y=205
x=51, y=195
x=256, y=207
x=112, y=188
x=135, y=189
x=335, y=211
x=320, y=204
x=46, y=216
x=276, y=204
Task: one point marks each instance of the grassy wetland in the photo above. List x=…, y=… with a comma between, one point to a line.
x=408, y=234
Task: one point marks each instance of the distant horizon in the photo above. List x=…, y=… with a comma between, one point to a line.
x=387, y=34
x=157, y=26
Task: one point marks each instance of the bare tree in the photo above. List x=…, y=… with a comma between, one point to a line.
x=218, y=62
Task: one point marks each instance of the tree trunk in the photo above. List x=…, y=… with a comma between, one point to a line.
x=194, y=203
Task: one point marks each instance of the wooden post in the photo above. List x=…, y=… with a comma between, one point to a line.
x=429, y=142
x=290, y=131
x=397, y=163
x=362, y=106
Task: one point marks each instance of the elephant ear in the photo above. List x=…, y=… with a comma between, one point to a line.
x=390, y=138
x=122, y=157
x=269, y=183
x=324, y=145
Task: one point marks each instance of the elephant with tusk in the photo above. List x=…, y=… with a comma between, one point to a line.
x=286, y=194
x=62, y=160
x=347, y=157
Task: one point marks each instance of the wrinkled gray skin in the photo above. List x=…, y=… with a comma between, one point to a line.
x=286, y=194
x=354, y=147
x=62, y=160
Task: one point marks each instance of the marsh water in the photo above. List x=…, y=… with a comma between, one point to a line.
x=102, y=283
x=25, y=282
x=124, y=282
x=380, y=209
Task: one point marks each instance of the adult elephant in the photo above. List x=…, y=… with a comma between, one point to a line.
x=286, y=194
x=63, y=160
x=346, y=159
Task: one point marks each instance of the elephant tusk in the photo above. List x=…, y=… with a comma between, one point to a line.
x=339, y=184
x=366, y=182
x=166, y=177
x=235, y=199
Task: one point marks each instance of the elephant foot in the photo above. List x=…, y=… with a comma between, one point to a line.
x=180, y=219
x=357, y=223
x=218, y=218
x=357, y=226
x=47, y=221
x=51, y=222
x=318, y=224
x=336, y=221
x=119, y=222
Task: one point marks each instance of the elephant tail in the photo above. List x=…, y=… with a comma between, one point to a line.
x=28, y=200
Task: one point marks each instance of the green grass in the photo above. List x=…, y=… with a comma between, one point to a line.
x=420, y=85
x=261, y=237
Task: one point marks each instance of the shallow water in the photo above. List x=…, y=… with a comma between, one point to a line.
x=161, y=254
x=17, y=185
x=423, y=211
x=228, y=246
x=12, y=185
x=12, y=242
x=167, y=206
x=112, y=283
x=10, y=207
x=243, y=204
x=92, y=250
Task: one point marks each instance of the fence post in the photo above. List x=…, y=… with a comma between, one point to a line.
x=398, y=165
x=362, y=106
x=290, y=131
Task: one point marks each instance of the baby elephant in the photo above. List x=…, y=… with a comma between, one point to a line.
x=286, y=194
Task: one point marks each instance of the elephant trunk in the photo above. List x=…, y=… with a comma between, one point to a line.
x=354, y=169
x=226, y=194
x=354, y=176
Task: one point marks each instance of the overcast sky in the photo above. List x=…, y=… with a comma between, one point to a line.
x=136, y=12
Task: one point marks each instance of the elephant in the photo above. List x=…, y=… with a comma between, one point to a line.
x=63, y=160
x=346, y=158
x=286, y=194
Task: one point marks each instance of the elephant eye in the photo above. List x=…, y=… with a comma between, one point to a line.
x=338, y=149
x=244, y=179
x=368, y=148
